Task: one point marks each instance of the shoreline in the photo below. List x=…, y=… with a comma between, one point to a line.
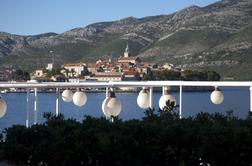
x=186, y=89
x=175, y=89
x=155, y=89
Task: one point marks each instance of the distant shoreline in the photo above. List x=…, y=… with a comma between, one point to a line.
x=155, y=89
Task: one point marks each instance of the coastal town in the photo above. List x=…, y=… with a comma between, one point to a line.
x=139, y=83
x=125, y=68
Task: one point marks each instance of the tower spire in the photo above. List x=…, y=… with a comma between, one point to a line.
x=126, y=52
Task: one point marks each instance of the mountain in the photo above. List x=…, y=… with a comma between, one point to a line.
x=217, y=36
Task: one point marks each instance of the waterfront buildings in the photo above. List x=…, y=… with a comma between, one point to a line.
x=107, y=76
x=125, y=68
x=40, y=72
x=74, y=69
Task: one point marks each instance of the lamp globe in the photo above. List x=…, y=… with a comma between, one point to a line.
x=67, y=95
x=105, y=109
x=143, y=99
x=114, y=106
x=217, y=96
x=164, y=98
x=3, y=107
x=79, y=98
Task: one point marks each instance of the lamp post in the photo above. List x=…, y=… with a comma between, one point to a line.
x=151, y=97
x=180, y=101
x=27, y=108
x=250, y=89
x=35, y=105
x=3, y=107
x=57, y=101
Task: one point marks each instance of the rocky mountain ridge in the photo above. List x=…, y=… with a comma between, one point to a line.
x=215, y=36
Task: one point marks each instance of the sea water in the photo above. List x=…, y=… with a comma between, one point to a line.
x=236, y=100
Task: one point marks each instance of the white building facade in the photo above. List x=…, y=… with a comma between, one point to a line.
x=73, y=69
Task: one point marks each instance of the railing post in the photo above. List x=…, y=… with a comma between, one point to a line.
x=151, y=98
x=107, y=95
x=163, y=90
x=27, y=108
x=180, y=101
x=57, y=102
x=250, y=99
x=35, y=105
x=107, y=91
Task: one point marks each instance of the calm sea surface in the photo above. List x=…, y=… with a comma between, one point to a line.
x=236, y=99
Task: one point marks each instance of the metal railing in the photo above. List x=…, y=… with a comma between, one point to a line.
x=149, y=84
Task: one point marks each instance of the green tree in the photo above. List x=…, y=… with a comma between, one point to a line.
x=52, y=72
x=157, y=139
x=193, y=75
x=148, y=76
x=213, y=76
x=66, y=71
x=168, y=75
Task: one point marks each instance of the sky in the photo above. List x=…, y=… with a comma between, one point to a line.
x=31, y=17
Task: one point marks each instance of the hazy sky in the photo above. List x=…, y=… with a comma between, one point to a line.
x=29, y=17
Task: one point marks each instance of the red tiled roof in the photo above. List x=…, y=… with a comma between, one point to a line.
x=130, y=72
x=111, y=65
x=92, y=65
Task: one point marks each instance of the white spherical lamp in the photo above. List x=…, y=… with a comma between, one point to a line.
x=3, y=107
x=165, y=97
x=111, y=106
x=143, y=99
x=105, y=108
x=79, y=98
x=114, y=106
x=217, y=96
x=67, y=95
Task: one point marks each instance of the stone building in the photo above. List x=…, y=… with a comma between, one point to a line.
x=128, y=59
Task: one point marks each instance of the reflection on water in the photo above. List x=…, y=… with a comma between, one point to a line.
x=236, y=99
